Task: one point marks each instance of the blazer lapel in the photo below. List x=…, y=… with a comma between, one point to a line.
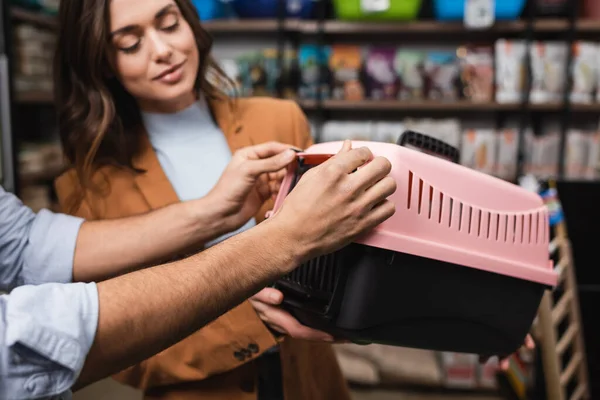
x=153, y=183
x=225, y=115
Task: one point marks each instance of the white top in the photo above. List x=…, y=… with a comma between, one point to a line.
x=192, y=151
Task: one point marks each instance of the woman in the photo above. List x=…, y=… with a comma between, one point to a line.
x=143, y=127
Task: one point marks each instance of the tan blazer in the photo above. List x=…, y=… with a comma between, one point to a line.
x=204, y=365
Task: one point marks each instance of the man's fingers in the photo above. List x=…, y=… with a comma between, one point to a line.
x=350, y=160
x=269, y=296
x=379, y=192
x=347, y=146
x=372, y=173
x=379, y=214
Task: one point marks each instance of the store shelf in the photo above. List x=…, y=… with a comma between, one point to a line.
x=341, y=27
x=33, y=17
x=266, y=26
x=34, y=98
x=392, y=105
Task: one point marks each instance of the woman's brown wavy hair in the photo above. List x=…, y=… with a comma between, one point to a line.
x=98, y=119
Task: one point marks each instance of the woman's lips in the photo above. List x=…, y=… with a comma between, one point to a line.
x=172, y=74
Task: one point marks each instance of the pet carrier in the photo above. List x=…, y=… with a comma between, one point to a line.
x=461, y=266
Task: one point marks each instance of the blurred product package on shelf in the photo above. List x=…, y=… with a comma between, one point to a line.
x=576, y=153
x=315, y=76
x=454, y=10
x=506, y=164
x=442, y=76
x=582, y=155
x=410, y=67
x=36, y=197
x=387, y=132
x=510, y=70
x=252, y=9
x=377, y=10
x=585, y=72
x=591, y=9
x=552, y=8
x=593, y=157
x=478, y=150
x=382, y=82
x=345, y=64
x=36, y=158
x=542, y=154
x=209, y=10
x=257, y=74
x=460, y=370
x=33, y=55
x=44, y=6
x=548, y=68
x=477, y=73
x=447, y=130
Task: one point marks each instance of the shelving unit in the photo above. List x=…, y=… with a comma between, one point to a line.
x=391, y=105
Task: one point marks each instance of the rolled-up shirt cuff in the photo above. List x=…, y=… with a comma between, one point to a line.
x=50, y=328
x=51, y=250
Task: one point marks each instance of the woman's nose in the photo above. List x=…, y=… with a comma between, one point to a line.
x=161, y=49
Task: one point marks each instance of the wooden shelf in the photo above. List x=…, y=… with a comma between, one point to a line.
x=248, y=26
x=33, y=17
x=392, y=105
x=34, y=98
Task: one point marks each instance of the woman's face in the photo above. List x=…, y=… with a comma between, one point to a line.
x=155, y=55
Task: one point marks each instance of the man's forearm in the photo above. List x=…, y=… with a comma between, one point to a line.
x=144, y=312
x=109, y=248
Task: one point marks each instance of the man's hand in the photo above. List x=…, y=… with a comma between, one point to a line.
x=504, y=359
x=267, y=302
x=336, y=201
x=252, y=177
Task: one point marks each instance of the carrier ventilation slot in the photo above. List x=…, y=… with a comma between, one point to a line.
x=430, y=200
x=410, y=183
x=420, y=195
x=441, y=207
x=318, y=276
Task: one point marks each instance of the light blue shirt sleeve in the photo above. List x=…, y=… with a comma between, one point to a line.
x=45, y=336
x=46, y=329
x=34, y=248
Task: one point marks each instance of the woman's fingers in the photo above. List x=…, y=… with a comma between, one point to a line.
x=284, y=322
x=269, y=296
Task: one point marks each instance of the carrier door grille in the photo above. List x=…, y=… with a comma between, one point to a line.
x=317, y=278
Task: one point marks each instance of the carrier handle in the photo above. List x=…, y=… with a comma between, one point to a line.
x=430, y=145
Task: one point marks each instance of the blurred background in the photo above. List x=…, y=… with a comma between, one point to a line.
x=513, y=84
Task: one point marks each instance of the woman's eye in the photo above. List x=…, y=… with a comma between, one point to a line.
x=132, y=48
x=169, y=23
x=128, y=43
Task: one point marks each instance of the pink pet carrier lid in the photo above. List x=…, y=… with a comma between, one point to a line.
x=447, y=212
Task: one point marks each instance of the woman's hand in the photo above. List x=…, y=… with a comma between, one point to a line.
x=252, y=177
x=267, y=302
